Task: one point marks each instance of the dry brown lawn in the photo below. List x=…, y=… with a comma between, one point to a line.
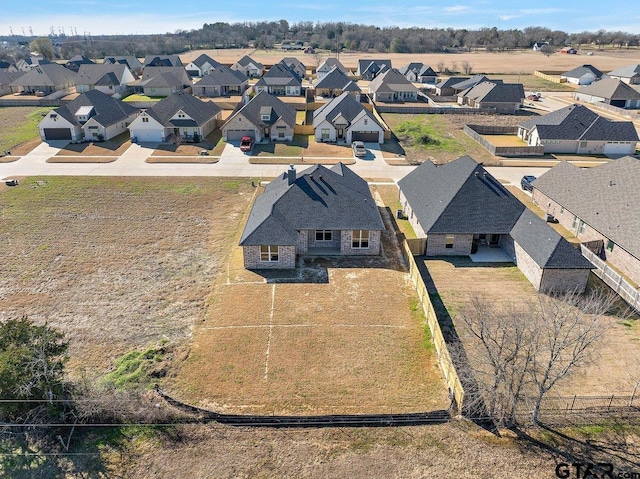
x=213, y=143
x=82, y=159
x=504, y=140
x=113, y=147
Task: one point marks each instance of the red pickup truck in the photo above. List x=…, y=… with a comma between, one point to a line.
x=246, y=143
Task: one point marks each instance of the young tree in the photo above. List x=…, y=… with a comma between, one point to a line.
x=467, y=67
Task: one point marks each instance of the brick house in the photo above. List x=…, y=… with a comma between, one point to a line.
x=600, y=206
x=322, y=211
x=459, y=208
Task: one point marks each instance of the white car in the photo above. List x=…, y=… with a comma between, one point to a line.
x=359, y=150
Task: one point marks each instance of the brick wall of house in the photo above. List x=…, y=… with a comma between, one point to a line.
x=334, y=243
x=301, y=247
x=619, y=257
x=286, y=258
x=436, y=245
x=564, y=280
x=529, y=268
x=408, y=212
x=373, y=249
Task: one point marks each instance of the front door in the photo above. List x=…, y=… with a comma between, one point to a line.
x=340, y=133
x=494, y=240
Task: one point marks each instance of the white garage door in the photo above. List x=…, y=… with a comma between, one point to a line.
x=236, y=135
x=143, y=136
x=618, y=149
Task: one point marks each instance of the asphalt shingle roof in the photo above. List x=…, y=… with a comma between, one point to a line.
x=582, y=70
x=162, y=61
x=167, y=76
x=373, y=65
x=319, y=198
x=332, y=62
x=202, y=59
x=92, y=74
x=279, y=109
x=246, y=60
x=47, y=74
x=199, y=111
x=132, y=62
x=489, y=91
x=627, y=71
x=7, y=77
x=336, y=79
x=344, y=105
x=469, y=82
x=107, y=110
x=279, y=75
x=391, y=81
x=222, y=76
x=606, y=197
x=611, y=89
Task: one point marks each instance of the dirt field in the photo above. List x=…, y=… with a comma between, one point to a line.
x=504, y=140
x=117, y=263
x=483, y=62
x=616, y=367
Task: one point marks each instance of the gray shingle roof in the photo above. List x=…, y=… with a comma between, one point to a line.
x=7, y=77
x=344, y=105
x=391, y=81
x=320, y=198
x=246, y=60
x=167, y=76
x=611, y=89
x=332, y=62
x=449, y=82
x=489, y=91
x=162, y=61
x=336, y=79
x=606, y=197
x=223, y=76
x=577, y=122
x=582, y=70
x=279, y=109
x=92, y=74
x=202, y=59
x=469, y=82
x=200, y=111
x=48, y=74
x=627, y=71
x=107, y=110
x=368, y=65
x=279, y=75
x=132, y=62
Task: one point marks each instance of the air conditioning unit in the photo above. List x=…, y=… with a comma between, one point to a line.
x=399, y=214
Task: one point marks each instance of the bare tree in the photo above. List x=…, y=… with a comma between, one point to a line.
x=441, y=66
x=467, y=67
x=454, y=67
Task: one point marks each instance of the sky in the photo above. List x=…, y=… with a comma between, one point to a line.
x=106, y=17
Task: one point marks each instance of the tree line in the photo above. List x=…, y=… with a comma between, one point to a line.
x=328, y=36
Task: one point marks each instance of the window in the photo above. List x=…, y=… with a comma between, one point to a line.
x=583, y=144
x=325, y=133
x=360, y=239
x=574, y=225
x=145, y=119
x=583, y=226
x=366, y=121
x=269, y=253
x=281, y=131
x=448, y=241
x=324, y=235
x=609, y=245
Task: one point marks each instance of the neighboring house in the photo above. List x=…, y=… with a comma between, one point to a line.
x=538, y=46
x=164, y=81
x=569, y=51
x=109, y=78
x=629, y=74
x=295, y=65
x=201, y=66
x=93, y=116
x=369, y=69
x=344, y=119
x=132, y=63
x=249, y=67
x=459, y=208
x=321, y=211
x=45, y=79
x=577, y=129
x=162, y=61
x=599, y=205
x=327, y=65
x=221, y=81
x=335, y=83
x=75, y=62
x=6, y=79
x=501, y=97
x=179, y=117
x=445, y=87
x=391, y=86
x=611, y=91
x=582, y=75
x=419, y=73
x=280, y=80
x=29, y=63
x=265, y=118
x=7, y=67
x=470, y=82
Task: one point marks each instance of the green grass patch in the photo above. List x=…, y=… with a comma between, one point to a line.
x=533, y=82
x=136, y=368
x=138, y=97
x=22, y=125
x=428, y=133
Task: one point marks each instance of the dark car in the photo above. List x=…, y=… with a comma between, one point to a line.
x=246, y=143
x=526, y=181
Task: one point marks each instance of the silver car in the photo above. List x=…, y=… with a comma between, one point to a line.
x=359, y=149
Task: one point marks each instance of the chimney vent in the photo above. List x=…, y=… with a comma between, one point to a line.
x=291, y=175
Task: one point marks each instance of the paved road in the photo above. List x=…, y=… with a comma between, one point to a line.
x=232, y=162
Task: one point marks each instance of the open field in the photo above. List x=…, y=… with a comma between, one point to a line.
x=19, y=125
x=116, y=263
x=455, y=281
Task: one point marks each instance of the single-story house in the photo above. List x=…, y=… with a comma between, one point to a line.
x=467, y=83
x=109, y=78
x=132, y=63
x=460, y=208
x=201, y=66
x=369, y=69
x=336, y=82
x=344, y=120
x=93, y=116
x=164, y=81
x=321, y=211
x=6, y=79
x=265, y=118
x=31, y=62
x=76, y=61
x=599, y=205
x=445, y=87
x=178, y=117
x=280, y=80
x=629, y=74
x=577, y=129
x=7, y=67
x=582, y=75
x=612, y=91
x=221, y=81
x=501, y=97
x=391, y=86
x=162, y=61
x=296, y=65
x=249, y=67
x=327, y=65
x=419, y=73
x=46, y=79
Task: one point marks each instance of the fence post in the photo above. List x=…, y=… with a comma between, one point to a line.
x=573, y=402
x=610, y=402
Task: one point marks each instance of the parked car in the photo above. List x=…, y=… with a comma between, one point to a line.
x=246, y=143
x=525, y=182
x=533, y=97
x=359, y=150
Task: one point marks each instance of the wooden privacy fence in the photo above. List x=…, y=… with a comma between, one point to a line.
x=476, y=132
x=444, y=358
x=552, y=76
